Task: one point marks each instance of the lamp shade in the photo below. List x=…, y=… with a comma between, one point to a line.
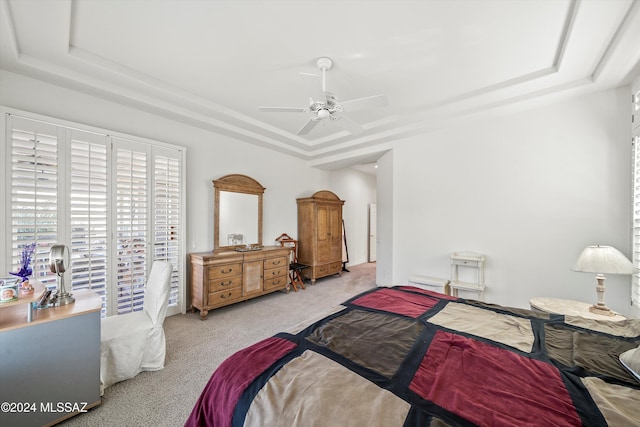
x=603, y=259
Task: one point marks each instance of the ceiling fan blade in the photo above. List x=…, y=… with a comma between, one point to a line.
x=349, y=125
x=311, y=123
x=283, y=109
x=362, y=103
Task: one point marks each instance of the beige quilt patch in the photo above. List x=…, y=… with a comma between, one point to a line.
x=503, y=328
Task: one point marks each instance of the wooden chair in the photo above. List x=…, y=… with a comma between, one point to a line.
x=294, y=266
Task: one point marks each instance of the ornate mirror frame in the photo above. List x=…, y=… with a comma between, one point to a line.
x=235, y=183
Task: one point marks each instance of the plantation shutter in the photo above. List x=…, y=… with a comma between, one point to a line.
x=132, y=194
x=167, y=213
x=88, y=200
x=33, y=192
x=635, y=113
x=635, y=126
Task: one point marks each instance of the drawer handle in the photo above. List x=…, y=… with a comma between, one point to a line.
x=226, y=296
x=275, y=273
x=275, y=262
x=226, y=283
x=276, y=282
x=226, y=272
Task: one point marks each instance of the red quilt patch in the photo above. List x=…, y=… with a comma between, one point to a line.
x=480, y=382
x=395, y=301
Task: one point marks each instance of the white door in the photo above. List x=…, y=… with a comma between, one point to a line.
x=372, y=232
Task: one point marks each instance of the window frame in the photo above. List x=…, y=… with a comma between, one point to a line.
x=172, y=151
x=635, y=196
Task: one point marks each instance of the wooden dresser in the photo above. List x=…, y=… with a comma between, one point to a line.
x=225, y=277
x=320, y=235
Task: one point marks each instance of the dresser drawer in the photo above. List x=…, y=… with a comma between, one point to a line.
x=466, y=262
x=223, y=283
x=276, y=262
x=275, y=272
x=319, y=270
x=225, y=297
x=322, y=270
x=275, y=282
x=224, y=270
x=335, y=267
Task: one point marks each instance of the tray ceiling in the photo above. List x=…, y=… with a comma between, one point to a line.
x=212, y=63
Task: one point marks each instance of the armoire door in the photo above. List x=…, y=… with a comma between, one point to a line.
x=335, y=233
x=323, y=234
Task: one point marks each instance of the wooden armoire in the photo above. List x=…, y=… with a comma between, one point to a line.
x=320, y=235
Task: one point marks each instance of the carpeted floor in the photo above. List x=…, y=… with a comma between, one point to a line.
x=195, y=348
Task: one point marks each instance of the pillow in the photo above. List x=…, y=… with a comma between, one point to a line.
x=631, y=360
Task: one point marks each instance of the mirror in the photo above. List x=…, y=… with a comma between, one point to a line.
x=238, y=219
x=237, y=212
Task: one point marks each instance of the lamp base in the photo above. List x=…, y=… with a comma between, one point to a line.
x=602, y=310
x=62, y=299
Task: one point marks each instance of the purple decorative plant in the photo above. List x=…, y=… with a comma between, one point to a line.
x=25, y=260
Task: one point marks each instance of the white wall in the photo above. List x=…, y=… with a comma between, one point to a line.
x=209, y=156
x=529, y=190
x=386, y=246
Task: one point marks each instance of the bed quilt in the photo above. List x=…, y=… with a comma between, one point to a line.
x=405, y=356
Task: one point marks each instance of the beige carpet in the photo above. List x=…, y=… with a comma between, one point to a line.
x=195, y=348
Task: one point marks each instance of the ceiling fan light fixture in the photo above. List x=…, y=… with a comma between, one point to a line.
x=323, y=113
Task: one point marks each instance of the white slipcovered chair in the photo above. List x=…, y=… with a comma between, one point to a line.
x=135, y=342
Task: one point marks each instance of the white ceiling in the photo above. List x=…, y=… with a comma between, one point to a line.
x=212, y=63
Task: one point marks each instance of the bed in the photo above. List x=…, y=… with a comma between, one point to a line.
x=404, y=356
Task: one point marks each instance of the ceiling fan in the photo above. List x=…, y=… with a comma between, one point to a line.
x=330, y=108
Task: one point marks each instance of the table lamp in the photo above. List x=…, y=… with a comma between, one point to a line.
x=600, y=260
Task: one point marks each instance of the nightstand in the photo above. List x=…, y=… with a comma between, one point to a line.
x=569, y=308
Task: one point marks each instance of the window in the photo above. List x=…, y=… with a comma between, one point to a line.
x=117, y=202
